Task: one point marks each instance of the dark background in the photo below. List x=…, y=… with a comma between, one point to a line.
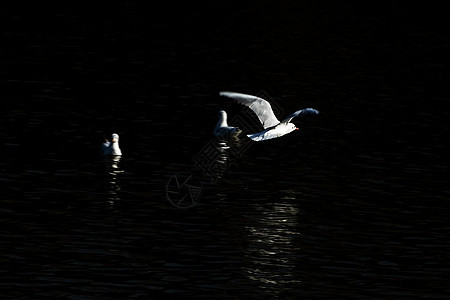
x=354, y=205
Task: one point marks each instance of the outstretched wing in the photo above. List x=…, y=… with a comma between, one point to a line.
x=301, y=112
x=260, y=107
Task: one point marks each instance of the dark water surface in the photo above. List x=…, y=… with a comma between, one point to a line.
x=355, y=205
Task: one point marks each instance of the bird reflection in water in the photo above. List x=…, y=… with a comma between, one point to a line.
x=113, y=170
x=215, y=158
x=228, y=148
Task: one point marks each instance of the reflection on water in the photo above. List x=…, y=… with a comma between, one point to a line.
x=229, y=150
x=216, y=157
x=113, y=170
x=359, y=221
x=272, y=249
x=222, y=163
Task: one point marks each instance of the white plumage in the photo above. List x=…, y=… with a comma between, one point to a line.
x=273, y=127
x=111, y=147
x=222, y=127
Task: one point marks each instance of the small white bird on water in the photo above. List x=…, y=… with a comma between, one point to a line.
x=111, y=148
x=222, y=127
x=273, y=127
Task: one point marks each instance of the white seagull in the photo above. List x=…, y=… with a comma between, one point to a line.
x=111, y=148
x=222, y=127
x=273, y=127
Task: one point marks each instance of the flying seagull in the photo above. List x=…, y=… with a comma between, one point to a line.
x=111, y=148
x=273, y=128
x=222, y=127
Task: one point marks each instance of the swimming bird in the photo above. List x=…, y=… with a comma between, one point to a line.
x=273, y=127
x=111, y=148
x=222, y=127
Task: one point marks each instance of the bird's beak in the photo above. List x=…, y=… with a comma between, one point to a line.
x=296, y=128
x=113, y=140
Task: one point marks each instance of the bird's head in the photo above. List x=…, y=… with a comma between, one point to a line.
x=291, y=127
x=115, y=138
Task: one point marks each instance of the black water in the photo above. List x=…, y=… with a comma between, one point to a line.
x=355, y=205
